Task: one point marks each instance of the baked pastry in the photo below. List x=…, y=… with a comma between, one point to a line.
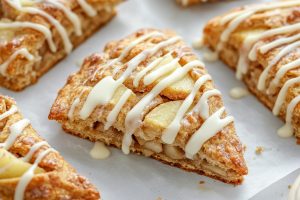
x=29, y=167
x=149, y=94
x=35, y=35
x=261, y=42
x=192, y=2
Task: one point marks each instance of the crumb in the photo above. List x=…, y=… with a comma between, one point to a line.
x=78, y=63
x=201, y=182
x=289, y=186
x=259, y=150
x=244, y=148
x=159, y=198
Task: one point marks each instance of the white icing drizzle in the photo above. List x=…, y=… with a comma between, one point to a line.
x=231, y=27
x=27, y=177
x=15, y=129
x=198, y=44
x=202, y=106
x=101, y=94
x=287, y=130
x=143, y=72
x=294, y=193
x=251, y=47
x=33, y=149
x=262, y=79
x=104, y=90
x=172, y=130
x=132, y=121
x=282, y=94
x=59, y=27
x=248, y=43
x=161, y=71
x=8, y=113
x=210, y=56
x=112, y=116
x=126, y=51
x=40, y=28
x=74, y=19
x=209, y=128
x=281, y=72
x=276, y=43
x=23, y=51
x=132, y=64
x=88, y=9
x=108, y=85
x=236, y=18
x=238, y=92
x=74, y=105
x=99, y=151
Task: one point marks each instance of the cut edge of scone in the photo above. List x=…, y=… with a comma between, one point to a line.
x=221, y=157
x=28, y=52
x=30, y=168
x=236, y=50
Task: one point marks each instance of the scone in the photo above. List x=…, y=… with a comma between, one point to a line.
x=29, y=167
x=192, y=2
x=149, y=94
x=35, y=35
x=262, y=43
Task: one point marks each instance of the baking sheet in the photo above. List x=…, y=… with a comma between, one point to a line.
x=136, y=177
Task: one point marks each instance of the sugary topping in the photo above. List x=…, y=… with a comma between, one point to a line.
x=163, y=71
x=16, y=130
x=29, y=7
x=252, y=46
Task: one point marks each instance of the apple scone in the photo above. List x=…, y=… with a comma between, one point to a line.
x=35, y=35
x=262, y=43
x=149, y=94
x=29, y=167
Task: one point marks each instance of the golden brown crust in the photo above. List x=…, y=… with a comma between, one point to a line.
x=59, y=181
x=223, y=150
x=230, y=54
x=22, y=72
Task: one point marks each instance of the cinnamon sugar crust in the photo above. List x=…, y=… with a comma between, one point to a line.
x=256, y=24
x=58, y=181
x=22, y=72
x=221, y=157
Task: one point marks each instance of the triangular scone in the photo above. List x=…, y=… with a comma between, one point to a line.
x=262, y=43
x=128, y=97
x=29, y=167
x=35, y=35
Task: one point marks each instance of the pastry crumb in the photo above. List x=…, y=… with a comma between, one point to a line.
x=159, y=198
x=201, y=182
x=78, y=63
x=259, y=150
x=289, y=187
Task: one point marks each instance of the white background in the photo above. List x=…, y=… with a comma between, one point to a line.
x=136, y=177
